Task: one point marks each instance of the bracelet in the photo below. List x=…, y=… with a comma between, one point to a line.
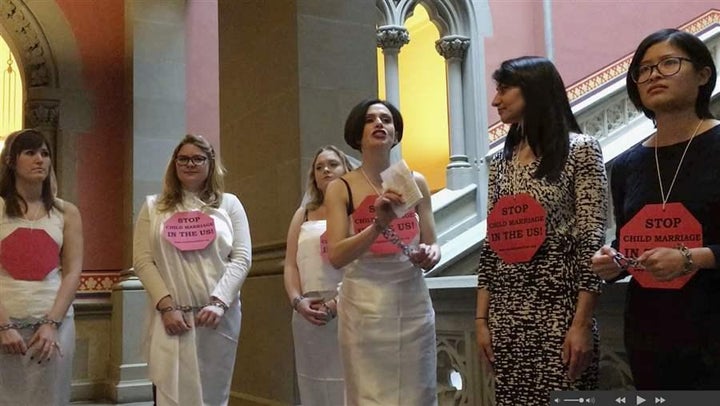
x=55, y=323
x=166, y=309
x=378, y=227
x=687, y=256
x=296, y=301
x=8, y=326
x=480, y=318
x=218, y=303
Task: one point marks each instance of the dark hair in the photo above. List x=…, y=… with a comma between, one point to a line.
x=547, y=117
x=15, y=144
x=696, y=51
x=214, y=186
x=316, y=195
x=355, y=122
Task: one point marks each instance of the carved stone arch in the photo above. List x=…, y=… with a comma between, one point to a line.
x=39, y=71
x=390, y=12
x=435, y=12
x=449, y=16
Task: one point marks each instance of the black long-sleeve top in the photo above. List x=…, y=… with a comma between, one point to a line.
x=662, y=318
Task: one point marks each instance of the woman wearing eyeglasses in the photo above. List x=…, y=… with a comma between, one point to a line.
x=666, y=195
x=192, y=253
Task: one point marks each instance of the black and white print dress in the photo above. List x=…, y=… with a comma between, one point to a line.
x=532, y=304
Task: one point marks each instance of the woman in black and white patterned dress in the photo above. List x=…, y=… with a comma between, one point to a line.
x=547, y=211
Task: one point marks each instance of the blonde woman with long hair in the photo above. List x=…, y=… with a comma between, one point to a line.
x=192, y=252
x=311, y=284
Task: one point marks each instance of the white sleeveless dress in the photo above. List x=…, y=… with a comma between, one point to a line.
x=22, y=380
x=387, y=333
x=317, y=354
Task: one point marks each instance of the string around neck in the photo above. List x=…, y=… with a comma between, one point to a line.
x=663, y=196
x=32, y=218
x=362, y=170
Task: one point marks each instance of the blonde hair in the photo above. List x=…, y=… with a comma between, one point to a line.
x=212, y=191
x=316, y=195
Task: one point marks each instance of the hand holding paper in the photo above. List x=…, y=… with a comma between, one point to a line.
x=399, y=178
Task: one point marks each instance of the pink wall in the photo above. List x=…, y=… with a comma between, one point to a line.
x=102, y=180
x=587, y=35
x=202, y=74
x=517, y=30
x=591, y=35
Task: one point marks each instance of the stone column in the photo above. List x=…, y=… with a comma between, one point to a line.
x=128, y=370
x=390, y=38
x=459, y=170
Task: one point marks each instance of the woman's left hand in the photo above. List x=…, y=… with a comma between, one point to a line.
x=577, y=350
x=209, y=316
x=426, y=256
x=665, y=264
x=43, y=344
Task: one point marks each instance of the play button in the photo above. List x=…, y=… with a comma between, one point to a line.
x=639, y=400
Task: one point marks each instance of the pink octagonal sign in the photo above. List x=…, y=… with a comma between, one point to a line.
x=29, y=254
x=189, y=230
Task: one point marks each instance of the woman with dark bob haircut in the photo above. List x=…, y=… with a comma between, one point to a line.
x=40, y=264
x=666, y=190
x=386, y=319
x=536, y=292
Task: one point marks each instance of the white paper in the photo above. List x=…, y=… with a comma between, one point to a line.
x=399, y=178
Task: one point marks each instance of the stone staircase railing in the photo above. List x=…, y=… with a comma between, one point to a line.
x=603, y=111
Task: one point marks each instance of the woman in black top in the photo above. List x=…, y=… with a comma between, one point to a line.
x=666, y=196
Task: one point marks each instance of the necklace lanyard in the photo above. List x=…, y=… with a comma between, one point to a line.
x=362, y=170
x=34, y=217
x=665, y=197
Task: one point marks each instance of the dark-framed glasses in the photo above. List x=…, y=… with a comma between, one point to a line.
x=197, y=160
x=626, y=262
x=667, y=67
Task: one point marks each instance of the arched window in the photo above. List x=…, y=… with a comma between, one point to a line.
x=11, y=93
x=423, y=99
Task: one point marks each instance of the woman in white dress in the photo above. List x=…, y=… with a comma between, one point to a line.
x=386, y=318
x=311, y=284
x=40, y=264
x=192, y=253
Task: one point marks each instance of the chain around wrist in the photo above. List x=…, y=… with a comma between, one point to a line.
x=378, y=227
x=688, y=264
x=296, y=301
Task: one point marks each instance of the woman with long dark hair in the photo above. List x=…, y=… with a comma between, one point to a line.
x=41, y=256
x=666, y=198
x=546, y=217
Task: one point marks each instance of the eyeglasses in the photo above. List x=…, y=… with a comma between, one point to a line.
x=624, y=262
x=197, y=160
x=667, y=67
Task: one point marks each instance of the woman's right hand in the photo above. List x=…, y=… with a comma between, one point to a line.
x=603, y=264
x=12, y=342
x=309, y=308
x=384, y=206
x=484, y=341
x=175, y=323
